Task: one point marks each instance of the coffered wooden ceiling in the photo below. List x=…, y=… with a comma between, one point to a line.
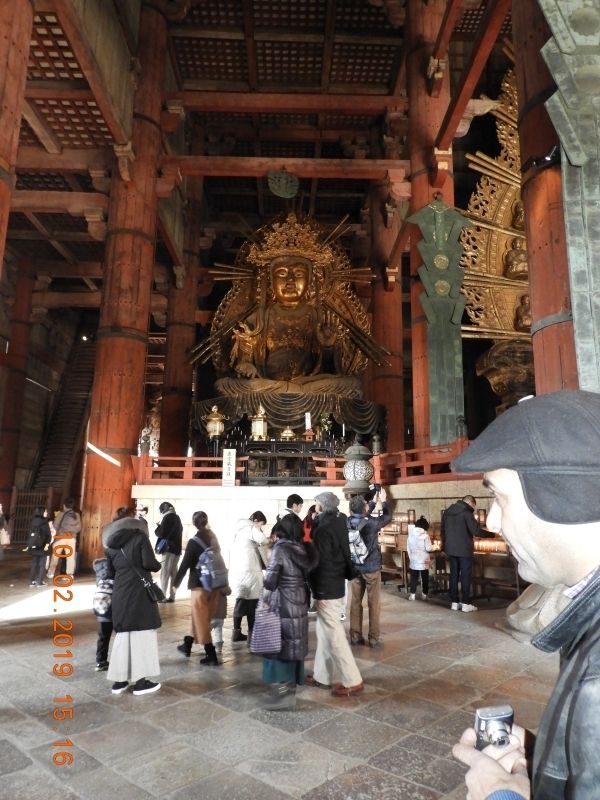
x=312, y=86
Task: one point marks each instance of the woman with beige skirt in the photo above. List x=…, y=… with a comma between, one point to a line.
x=203, y=603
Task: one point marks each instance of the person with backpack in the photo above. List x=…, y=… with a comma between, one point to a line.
x=207, y=581
x=37, y=546
x=67, y=527
x=102, y=605
x=367, y=563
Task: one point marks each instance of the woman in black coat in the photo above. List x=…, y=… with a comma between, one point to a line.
x=39, y=539
x=135, y=617
x=286, y=579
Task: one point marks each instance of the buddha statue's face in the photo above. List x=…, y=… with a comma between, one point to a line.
x=290, y=281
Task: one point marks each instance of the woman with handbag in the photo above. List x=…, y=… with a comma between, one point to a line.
x=203, y=603
x=134, y=611
x=286, y=579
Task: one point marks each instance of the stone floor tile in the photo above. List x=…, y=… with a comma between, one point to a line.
x=403, y=711
x=306, y=715
x=297, y=768
x=354, y=736
x=367, y=782
x=11, y=758
x=128, y=738
x=449, y=728
x=83, y=763
x=36, y=784
x=446, y=693
x=228, y=785
x=187, y=716
x=110, y=786
x=440, y=774
x=237, y=738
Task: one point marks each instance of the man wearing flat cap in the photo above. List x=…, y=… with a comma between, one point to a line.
x=541, y=461
x=335, y=666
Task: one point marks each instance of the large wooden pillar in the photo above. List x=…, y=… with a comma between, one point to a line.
x=387, y=381
x=118, y=392
x=16, y=22
x=14, y=384
x=181, y=329
x=425, y=115
x=552, y=329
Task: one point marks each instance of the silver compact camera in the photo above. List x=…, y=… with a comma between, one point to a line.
x=493, y=725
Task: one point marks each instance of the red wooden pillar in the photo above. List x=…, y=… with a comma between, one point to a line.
x=118, y=392
x=14, y=384
x=181, y=331
x=387, y=381
x=16, y=22
x=425, y=115
x=554, y=355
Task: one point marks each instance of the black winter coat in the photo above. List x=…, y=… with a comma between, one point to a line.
x=170, y=528
x=190, y=559
x=330, y=538
x=286, y=577
x=132, y=609
x=459, y=526
x=40, y=525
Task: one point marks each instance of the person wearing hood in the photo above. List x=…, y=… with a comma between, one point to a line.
x=246, y=572
x=286, y=576
x=171, y=529
x=334, y=662
x=135, y=617
x=459, y=526
x=39, y=540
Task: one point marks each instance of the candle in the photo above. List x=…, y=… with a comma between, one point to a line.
x=343, y=430
x=307, y=420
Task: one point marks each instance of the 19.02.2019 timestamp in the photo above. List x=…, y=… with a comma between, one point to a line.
x=63, y=667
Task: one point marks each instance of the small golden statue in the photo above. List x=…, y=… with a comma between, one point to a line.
x=523, y=317
x=515, y=261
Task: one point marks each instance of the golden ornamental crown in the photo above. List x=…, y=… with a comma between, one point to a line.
x=291, y=238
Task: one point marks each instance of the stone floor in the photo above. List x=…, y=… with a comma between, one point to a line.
x=204, y=734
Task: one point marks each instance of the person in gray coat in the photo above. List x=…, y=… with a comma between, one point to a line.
x=135, y=616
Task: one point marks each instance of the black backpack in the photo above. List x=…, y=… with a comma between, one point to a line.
x=36, y=541
x=211, y=569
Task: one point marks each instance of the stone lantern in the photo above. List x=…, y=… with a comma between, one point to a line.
x=358, y=470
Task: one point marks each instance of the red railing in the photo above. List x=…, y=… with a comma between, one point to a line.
x=406, y=466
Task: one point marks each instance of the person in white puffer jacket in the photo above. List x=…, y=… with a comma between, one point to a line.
x=246, y=572
x=419, y=546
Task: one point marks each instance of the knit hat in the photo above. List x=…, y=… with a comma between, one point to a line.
x=328, y=501
x=553, y=443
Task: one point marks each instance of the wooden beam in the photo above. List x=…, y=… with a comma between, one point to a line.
x=71, y=25
x=55, y=90
x=32, y=159
x=250, y=45
x=450, y=18
x=254, y=167
x=399, y=246
x=41, y=129
x=40, y=202
x=287, y=103
x=487, y=33
x=327, y=57
x=58, y=246
x=91, y=270
x=85, y=300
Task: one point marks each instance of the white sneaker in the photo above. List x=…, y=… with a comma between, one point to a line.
x=468, y=607
x=455, y=606
x=343, y=616
x=423, y=597
x=411, y=596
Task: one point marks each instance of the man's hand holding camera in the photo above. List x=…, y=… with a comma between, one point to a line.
x=495, y=767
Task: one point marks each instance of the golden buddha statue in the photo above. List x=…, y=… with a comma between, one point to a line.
x=515, y=261
x=523, y=318
x=291, y=324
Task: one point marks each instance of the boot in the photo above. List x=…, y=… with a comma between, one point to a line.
x=238, y=636
x=186, y=647
x=210, y=659
x=282, y=697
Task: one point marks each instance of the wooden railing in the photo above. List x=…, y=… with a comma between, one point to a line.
x=407, y=466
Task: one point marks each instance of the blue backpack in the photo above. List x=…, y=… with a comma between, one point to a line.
x=211, y=569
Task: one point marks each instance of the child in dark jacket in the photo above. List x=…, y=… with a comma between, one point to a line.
x=102, y=604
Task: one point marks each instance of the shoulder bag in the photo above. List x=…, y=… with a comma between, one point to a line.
x=155, y=593
x=266, y=634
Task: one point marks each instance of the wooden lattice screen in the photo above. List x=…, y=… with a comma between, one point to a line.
x=22, y=508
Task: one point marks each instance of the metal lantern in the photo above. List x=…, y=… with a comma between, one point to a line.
x=287, y=434
x=259, y=425
x=214, y=423
x=358, y=470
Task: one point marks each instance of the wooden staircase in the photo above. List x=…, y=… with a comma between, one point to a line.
x=67, y=426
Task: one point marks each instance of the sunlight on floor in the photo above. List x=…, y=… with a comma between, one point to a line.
x=43, y=602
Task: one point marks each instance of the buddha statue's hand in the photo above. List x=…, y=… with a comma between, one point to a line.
x=326, y=331
x=246, y=370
